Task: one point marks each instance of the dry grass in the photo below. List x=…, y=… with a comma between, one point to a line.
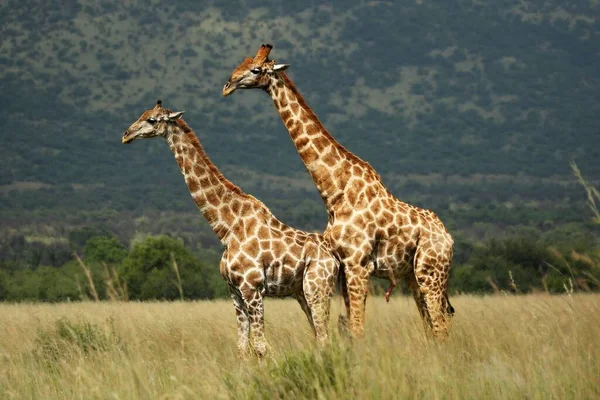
x=534, y=347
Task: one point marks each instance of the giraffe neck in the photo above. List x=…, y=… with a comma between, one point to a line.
x=324, y=158
x=211, y=191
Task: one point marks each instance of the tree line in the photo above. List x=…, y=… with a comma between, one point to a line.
x=95, y=263
x=163, y=268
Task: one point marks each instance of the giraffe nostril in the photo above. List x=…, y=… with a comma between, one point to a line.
x=226, y=85
x=126, y=138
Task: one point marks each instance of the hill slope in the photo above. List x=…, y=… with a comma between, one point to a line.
x=453, y=102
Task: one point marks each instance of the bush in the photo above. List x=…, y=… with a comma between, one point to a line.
x=3, y=285
x=79, y=237
x=106, y=249
x=84, y=337
x=513, y=264
x=305, y=375
x=148, y=271
x=55, y=285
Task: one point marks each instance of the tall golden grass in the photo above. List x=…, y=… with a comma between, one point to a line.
x=515, y=347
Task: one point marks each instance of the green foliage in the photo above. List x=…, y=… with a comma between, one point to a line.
x=79, y=237
x=4, y=280
x=56, y=285
x=526, y=260
x=569, y=237
x=24, y=285
x=217, y=283
x=522, y=264
x=43, y=283
x=106, y=249
x=33, y=251
x=148, y=271
x=495, y=262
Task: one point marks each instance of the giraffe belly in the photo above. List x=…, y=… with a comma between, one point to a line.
x=394, y=257
x=397, y=270
x=391, y=246
x=282, y=280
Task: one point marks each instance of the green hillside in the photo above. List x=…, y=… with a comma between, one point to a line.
x=471, y=108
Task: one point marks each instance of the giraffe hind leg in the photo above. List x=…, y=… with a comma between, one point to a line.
x=343, y=319
x=304, y=305
x=357, y=277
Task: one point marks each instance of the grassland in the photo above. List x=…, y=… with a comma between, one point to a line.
x=533, y=347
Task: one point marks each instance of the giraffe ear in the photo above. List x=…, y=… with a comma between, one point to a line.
x=175, y=116
x=280, y=67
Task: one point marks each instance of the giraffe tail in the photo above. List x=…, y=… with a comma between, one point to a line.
x=449, y=308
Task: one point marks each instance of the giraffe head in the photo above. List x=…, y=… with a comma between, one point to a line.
x=152, y=123
x=254, y=73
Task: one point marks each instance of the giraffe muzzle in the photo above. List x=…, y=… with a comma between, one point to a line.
x=229, y=88
x=127, y=137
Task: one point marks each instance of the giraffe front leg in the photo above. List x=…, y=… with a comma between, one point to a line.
x=434, y=307
x=319, y=304
x=243, y=324
x=432, y=280
x=319, y=285
x=357, y=281
x=253, y=302
x=318, y=300
x=413, y=286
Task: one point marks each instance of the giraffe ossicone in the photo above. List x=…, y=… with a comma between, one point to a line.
x=263, y=256
x=369, y=230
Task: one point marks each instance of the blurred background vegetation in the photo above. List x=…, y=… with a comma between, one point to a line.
x=473, y=109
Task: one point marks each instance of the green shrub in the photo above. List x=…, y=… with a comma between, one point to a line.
x=104, y=249
x=148, y=271
x=305, y=375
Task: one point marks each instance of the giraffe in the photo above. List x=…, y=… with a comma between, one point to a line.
x=370, y=231
x=262, y=256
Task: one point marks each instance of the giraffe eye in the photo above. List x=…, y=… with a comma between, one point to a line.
x=152, y=120
x=255, y=71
